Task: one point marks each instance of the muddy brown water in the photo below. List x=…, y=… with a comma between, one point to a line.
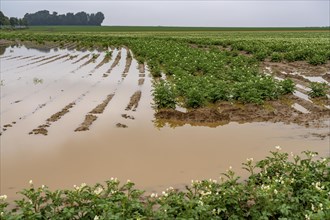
x=153, y=157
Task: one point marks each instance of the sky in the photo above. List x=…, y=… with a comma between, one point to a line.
x=216, y=13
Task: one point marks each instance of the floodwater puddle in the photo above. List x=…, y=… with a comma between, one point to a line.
x=300, y=108
x=121, y=140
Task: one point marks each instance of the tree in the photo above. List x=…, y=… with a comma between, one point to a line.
x=99, y=18
x=13, y=21
x=81, y=18
x=3, y=19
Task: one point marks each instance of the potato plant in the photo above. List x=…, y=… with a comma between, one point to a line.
x=281, y=186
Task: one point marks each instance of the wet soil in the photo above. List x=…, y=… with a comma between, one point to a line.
x=270, y=111
x=89, y=119
x=141, y=152
x=42, y=129
x=141, y=68
x=134, y=101
x=126, y=116
x=80, y=59
x=58, y=58
x=39, y=61
x=140, y=82
x=128, y=61
x=115, y=62
x=302, y=67
x=100, y=108
x=105, y=60
x=120, y=125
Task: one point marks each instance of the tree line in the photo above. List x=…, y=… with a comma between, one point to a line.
x=80, y=18
x=12, y=21
x=45, y=18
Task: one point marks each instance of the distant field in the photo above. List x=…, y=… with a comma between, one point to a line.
x=155, y=28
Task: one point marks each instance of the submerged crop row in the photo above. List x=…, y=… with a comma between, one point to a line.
x=279, y=187
x=203, y=68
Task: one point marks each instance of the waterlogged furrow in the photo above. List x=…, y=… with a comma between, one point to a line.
x=134, y=101
x=24, y=58
x=141, y=68
x=4, y=57
x=91, y=117
x=105, y=60
x=92, y=59
x=58, y=58
x=42, y=129
x=39, y=61
x=100, y=108
x=80, y=59
x=141, y=82
x=115, y=63
x=128, y=61
x=71, y=57
x=13, y=58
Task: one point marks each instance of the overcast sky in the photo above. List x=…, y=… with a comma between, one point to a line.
x=260, y=13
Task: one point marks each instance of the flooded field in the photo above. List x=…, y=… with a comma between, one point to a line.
x=71, y=116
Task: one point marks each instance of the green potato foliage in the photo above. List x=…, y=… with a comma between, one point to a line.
x=281, y=186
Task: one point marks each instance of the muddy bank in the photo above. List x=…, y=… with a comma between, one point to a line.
x=271, y=111
x=302, y=67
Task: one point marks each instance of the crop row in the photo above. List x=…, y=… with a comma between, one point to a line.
x=202, y=75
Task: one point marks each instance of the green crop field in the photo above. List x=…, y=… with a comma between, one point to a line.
x=195, y=69
x=201, y=67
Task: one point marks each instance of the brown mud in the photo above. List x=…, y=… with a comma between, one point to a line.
x=71, y=57
x=13, y=58
x=89, y=119
x=39, y=61
x=302, y=67
x=126, y=116
x=105, y=60
x=80, y=59
x=128, y=61
x=115, y=63
x=141, y=68
x=120, y=125
x=58, y=58
x=100, y=108
x=25, y=58
x=92, y=59
x=141, y=82
x=271, y=111
x=142, y=75
x=134, y=101
x=42, y=129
